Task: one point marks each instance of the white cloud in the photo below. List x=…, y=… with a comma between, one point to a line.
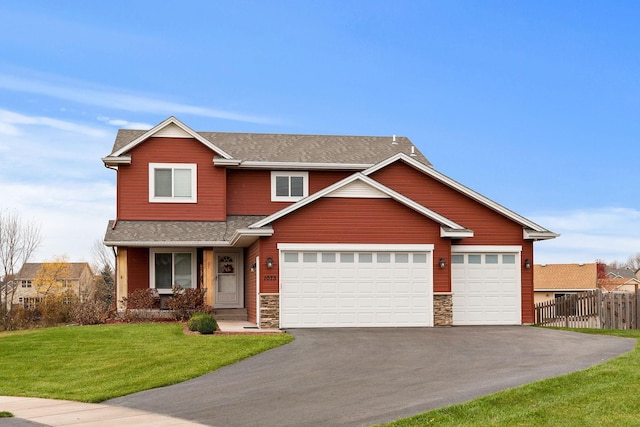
x=10, y=121
x=125, y=123
x=112, y=98
x=607, y=233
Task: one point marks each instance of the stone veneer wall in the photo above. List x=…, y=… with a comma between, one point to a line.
x=442, y=309
x=269, y=311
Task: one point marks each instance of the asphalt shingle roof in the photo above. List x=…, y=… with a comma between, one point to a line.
x=263, y=147
x=178, y=232
x=565, y=276
x=30, y=270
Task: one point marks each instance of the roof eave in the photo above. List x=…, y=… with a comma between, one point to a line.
x=252, y=164
x=455, y=233
x=116, y=160
x=538, y=235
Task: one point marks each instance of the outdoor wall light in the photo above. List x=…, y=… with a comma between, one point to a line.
x=269, y=262
x=253, y=267
x=527, y=263
x=443, y=263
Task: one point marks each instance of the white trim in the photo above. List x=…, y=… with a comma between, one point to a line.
x=538, y=235
x=170, y=121
x=253, y=164
x=343, y=247
x=226, y=162
x=485, y=249
x=358, y=176
x=428, y=170
x=456, y=234
x=167, y=243
x=173, y=166
x=257, y=273
x=174, y=250
x=289, y=174
x=111, y=161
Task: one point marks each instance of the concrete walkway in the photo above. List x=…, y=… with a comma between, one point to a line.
x=33, y=412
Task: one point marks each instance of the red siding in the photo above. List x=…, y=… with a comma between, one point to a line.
x=489, y=227
x=137, y=269
x=133, y=182
x=343, y=220
x=249, y=191
x=250, y=302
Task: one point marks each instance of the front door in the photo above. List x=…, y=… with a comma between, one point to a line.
x=228, y=284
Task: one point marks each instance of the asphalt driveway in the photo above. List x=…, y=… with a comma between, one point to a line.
x=356, y=377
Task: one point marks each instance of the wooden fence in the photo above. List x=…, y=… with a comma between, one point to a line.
x=591, y=309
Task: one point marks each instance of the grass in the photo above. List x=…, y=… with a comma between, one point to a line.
x=607, y=394
x=96, y=363
x=5, y=414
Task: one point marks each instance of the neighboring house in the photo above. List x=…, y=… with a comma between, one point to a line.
x=315, y=231
x=555, y=280
x=75, y=277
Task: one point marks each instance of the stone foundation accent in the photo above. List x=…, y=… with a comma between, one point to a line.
x=269, y=311
x=442, y=309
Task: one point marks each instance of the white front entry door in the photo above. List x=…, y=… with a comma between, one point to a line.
x=229, y=292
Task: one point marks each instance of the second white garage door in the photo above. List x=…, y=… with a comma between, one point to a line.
x=486, y=287
x=358, y=286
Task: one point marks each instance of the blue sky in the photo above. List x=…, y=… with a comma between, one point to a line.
x=535, y=104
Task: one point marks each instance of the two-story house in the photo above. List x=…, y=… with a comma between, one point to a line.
x=315, y=230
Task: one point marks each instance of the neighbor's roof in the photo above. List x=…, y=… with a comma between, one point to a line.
x=30, y=269
x=286, y=148
x=565, y=276
x=175, y=233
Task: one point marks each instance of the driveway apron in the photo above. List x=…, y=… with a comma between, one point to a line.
x=355, y=377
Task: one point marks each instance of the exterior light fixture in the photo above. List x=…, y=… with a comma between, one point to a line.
x=527, y=263
x=253, y=267
x=269, y=262
x=443, y=263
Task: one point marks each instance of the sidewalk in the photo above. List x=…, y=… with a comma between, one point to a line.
x=60, y=413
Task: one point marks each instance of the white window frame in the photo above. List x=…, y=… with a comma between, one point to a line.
x=289, y=174
x=173, y=251
x=194, y=178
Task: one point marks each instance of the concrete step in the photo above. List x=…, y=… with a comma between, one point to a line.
x=230, y=314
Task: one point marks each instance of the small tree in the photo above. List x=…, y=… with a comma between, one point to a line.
x=51, y=277
x=18, y=241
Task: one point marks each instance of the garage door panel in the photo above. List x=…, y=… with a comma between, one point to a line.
x=359, y=289
x=486, y=289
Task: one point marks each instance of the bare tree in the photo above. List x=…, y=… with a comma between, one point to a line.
x=104, y=263
x=18, y=240
x=633, y=262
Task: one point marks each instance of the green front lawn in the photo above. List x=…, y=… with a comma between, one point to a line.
x=604, y=395
x=96, y=363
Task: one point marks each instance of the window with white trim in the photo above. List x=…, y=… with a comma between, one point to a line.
x=289, y=186
x=172, y=183
x=170, y=268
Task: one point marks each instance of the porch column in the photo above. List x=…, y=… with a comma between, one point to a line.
x=122, y=284
x=208, y=279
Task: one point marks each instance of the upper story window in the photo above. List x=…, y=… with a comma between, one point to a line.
x=172, y=183
x=289, y=186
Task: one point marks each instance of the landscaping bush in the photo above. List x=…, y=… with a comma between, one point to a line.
x=138, y=300
x=185, y=302
x=90, y=313
x=56, y=308
x=202, y=322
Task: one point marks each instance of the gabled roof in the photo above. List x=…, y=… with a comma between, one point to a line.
x=232, y=232
x=532, y=231
x=619, y=283
x=565, y=277
x=290, y=151
x=448, y=228
x=74, y=270
x=170, y=126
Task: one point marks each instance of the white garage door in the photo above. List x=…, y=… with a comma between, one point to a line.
x=486, y=288
x=355, y=288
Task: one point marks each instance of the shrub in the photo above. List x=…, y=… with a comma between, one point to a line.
x=186, y=302
x=90, y=313
x=56, y=308
x=142, y=299
x=202, y=322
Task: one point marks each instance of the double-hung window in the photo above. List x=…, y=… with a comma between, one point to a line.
x=171, y=268
x=289, y=186
x=172, y=183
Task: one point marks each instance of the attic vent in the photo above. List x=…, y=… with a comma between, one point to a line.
x=413, y=151
x=393, y=141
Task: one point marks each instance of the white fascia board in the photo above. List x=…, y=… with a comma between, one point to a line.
x=341, y=247
x=538, y=235
x=358, y=176
x=167, y=244
x=428, y=170
x=226, y=162
x=485, y=248
x=455, y=234
x=113, y=161
x=160, y=126
x=252, y=164
x=250, y=233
